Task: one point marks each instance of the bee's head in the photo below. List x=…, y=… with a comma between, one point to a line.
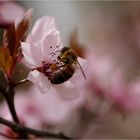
x=64, y=49
x=62, y=52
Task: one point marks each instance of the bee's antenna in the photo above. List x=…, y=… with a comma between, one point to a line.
x=81, y=70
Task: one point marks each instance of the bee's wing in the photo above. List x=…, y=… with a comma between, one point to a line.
x=81, y=69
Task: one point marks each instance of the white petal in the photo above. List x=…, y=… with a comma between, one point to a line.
x=51, y=40
x=40, y=80
x=67, y=90
x=41, y=27
x=26, y=50
x=37, y=53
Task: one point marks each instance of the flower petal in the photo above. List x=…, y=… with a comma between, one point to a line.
x=37, y=54
x=26, y=50
x=42, y=26
x=51, y=40
x=39, y=80
x=67, y=90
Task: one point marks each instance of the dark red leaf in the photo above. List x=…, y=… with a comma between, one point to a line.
x=22, y=30
x=6, y=60
x=9, y=38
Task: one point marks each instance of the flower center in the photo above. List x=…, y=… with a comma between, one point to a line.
x=49, y=69
x=52, y=64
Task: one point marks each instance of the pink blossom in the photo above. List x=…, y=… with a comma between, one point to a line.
x=42, y=48
x=10, y=12
x=108, y=82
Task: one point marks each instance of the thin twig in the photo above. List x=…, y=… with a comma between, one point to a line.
x=2, y=91
x=12, y=110
x=19, y=128
x=20, y=82
x=9, y=98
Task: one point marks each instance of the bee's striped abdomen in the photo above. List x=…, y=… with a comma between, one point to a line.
x=63, y=75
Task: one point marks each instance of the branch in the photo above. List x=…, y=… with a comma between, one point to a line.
x=9, y=97
x=18, y=128
x=2, y=91
x=8, y=94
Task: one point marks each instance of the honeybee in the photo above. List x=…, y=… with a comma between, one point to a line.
x=69, y=61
